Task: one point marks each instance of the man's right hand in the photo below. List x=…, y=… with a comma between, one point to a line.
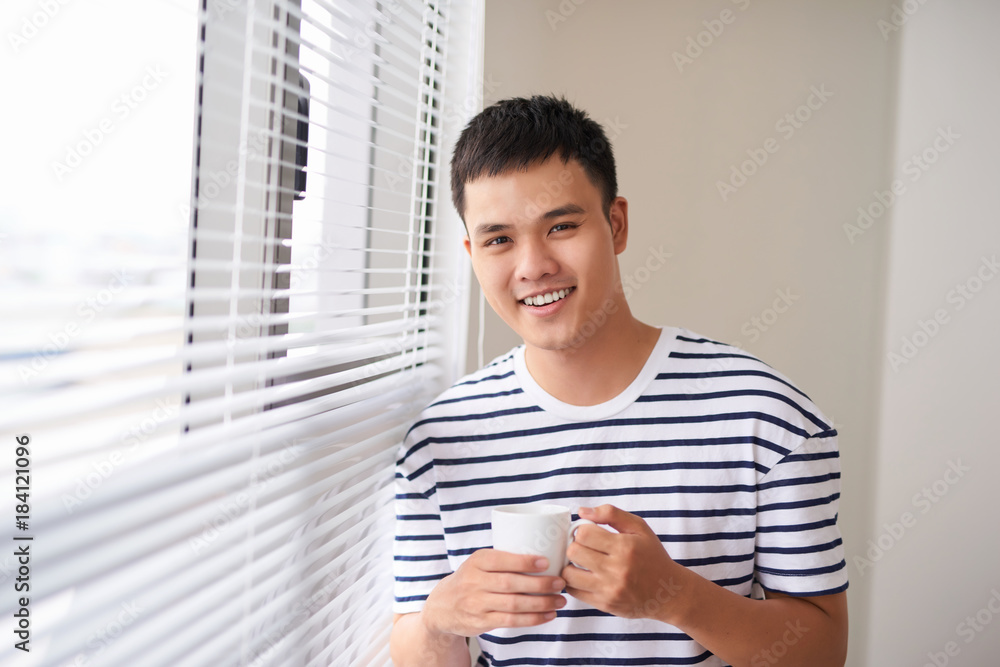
x=491, y=590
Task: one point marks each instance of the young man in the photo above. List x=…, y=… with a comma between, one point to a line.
x=715, y=491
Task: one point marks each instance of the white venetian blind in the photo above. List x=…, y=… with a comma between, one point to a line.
x=214, y=451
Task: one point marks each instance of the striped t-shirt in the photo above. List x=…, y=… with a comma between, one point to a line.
x=731, y=466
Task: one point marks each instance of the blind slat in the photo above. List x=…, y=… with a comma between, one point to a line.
x=216, y=442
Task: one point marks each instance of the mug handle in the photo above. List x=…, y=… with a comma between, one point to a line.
x=571, y=535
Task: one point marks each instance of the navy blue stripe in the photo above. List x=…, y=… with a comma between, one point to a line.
x=427, y=577
x=699, y=537
x=598, y=661
x=701, y=340
x=713, y=560
x=581, y=613
x=593, y=470
x=471, y=528
x=418, y=559
x=798, y=504
x=590, y=637
x=707, y=537
x=713, y=355
x=812, y=594
x=468, y=551
x=615, y=423
x=795, y=481
x=813, y=456
x=724, y=511
x=812, y=548
x=735, y=373
x=411, y=598
x=417, y=517
x=417, y=496
x=600, y=493
x=797, y=527
x=651, y=514
x=632, y=444
x=478, y=416
x=652, y=398
x=419, y=538
x=488, y=378
x=734, y=581
x=476, y=397
x=420, y=471
x=804, y=572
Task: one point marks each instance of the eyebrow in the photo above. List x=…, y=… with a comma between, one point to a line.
x=562, y=210
x=496, y=227
x=490, y=228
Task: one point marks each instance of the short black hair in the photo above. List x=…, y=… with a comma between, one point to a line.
x=519, y=132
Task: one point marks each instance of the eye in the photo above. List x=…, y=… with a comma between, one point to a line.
x=498, y=240
x=564, y=225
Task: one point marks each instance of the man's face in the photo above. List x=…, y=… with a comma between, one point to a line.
x=544, y=252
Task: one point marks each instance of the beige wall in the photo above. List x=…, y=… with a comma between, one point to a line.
x=680, y=126
x=939, y=407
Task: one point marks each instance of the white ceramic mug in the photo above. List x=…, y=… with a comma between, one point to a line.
x=536, y=529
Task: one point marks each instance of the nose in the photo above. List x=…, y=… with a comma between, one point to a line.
x=536, y=261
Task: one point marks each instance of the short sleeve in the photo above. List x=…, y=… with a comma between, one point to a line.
x=420, y=558
x=799, y=550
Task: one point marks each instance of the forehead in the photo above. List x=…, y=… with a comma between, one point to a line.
x=531, y=193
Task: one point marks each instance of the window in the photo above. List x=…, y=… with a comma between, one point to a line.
x=212, y=458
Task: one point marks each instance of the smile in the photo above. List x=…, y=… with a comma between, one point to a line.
x=542, y=299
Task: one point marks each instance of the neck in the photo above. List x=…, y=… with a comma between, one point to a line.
x=598, y=370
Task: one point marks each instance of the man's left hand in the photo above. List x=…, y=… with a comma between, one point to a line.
x=627, y=574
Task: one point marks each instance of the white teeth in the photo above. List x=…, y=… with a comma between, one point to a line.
x=543, y=299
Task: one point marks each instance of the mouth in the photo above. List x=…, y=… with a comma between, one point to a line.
x=547, y=298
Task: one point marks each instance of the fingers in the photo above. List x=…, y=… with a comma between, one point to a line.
x=509, y=582
x=619, y=519
x=484, y=593
x=524, y=604
x=491, y=560
x=513, y=573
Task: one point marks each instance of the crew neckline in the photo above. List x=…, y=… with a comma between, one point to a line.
x=664, y=345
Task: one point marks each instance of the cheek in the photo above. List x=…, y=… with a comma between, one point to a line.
x=490, y=277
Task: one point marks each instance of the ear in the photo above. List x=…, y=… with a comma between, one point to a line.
x=618, y=217
x=468, y=245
